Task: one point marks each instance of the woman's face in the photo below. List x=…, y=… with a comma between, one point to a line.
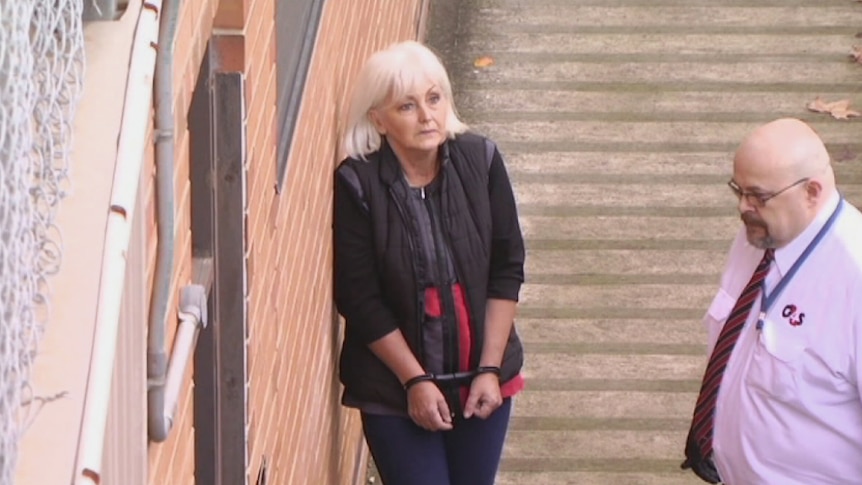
x=415, y=123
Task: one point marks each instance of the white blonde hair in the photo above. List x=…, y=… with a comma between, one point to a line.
x=389, y=74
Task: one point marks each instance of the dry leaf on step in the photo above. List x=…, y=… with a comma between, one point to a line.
x=483, y=61
x=856, y=53
x=840, y=110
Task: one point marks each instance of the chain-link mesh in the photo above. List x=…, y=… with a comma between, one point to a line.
x=41, y=68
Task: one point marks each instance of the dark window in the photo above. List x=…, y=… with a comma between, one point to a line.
x=296, y=24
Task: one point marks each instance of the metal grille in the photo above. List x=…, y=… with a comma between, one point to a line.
x=41, y=70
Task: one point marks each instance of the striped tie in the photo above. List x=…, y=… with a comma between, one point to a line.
x=704, y=411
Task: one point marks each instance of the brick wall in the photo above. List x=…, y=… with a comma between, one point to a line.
x=295, y=419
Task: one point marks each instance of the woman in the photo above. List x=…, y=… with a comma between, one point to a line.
x=429, y=261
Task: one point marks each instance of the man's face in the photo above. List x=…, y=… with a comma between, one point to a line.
x=772, y=204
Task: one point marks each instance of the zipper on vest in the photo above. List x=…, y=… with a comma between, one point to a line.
x=445, y=290
x=476, y=338
x=452, y=360
x=420, y=310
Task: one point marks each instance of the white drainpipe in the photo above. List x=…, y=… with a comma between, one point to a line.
x=130, y=154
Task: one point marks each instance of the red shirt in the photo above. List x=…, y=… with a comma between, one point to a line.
x=433, y=308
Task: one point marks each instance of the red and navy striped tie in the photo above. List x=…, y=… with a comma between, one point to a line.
x=704, y=411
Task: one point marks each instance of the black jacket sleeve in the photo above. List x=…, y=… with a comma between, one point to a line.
x=507, y=242
x=358, y=296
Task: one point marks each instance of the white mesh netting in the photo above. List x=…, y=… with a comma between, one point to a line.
x=41, y=69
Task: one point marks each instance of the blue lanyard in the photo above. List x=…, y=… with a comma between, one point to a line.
x=767, y=301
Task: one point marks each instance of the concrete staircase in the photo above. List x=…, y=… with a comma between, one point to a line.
x=618, y=119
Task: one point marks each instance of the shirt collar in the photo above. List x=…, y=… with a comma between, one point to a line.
x=787, y=255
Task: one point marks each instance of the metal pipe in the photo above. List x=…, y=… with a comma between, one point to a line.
x=127, y=173
x=157, y=364
x=193, y=317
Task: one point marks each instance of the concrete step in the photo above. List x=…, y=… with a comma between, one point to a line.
x=705, y=71
x=614, y=163
x=650, y=106
x=612, y=367
x=510, y=14
x=589, y=409
x=630, y=228
x=655, y=195
x=657, y=444
x=541, y=477
x=507, y=40
x=685, y=294
x=540, y=333
x=608, y=164
x=655, y=132
x=621, y=263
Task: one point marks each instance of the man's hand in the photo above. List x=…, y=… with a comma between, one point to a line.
x=484, y=397
x=702, y=467
x=427, y=407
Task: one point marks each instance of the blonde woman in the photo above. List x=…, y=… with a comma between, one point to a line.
x=429, y=261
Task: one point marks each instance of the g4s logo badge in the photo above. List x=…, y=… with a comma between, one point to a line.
x=789, y=312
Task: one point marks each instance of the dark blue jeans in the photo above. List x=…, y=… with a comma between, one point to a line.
x=406, y=454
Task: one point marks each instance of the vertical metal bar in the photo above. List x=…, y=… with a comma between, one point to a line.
x=218, y=156
x=230, y=275
x=202, y=160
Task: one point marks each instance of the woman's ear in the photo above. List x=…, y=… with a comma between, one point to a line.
x=374, y=117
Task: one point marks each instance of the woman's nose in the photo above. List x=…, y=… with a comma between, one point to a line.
x=423, y=112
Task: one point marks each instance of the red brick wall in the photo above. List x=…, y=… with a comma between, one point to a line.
x=295, y=418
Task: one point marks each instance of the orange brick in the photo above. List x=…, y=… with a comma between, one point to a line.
x=291, y=363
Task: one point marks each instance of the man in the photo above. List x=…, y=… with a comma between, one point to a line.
x=780, y=401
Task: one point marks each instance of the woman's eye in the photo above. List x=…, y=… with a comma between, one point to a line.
x=405, y=107
x=434, y=98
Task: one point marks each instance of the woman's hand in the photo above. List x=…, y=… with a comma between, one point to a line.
x=427, y=407
x=484, y=397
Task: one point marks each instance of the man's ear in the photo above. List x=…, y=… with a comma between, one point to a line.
x=374, y=117
x=813, y=190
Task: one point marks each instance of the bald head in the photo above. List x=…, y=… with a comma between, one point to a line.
x=783, y=170
x=785, y=149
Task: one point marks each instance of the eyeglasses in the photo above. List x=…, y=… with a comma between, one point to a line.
x=757, y=199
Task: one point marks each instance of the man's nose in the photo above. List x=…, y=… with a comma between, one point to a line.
x=744, y=206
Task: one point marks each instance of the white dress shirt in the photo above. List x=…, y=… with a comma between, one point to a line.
x=789, y=409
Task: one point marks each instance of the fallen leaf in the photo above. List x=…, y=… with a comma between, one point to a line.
x=484, y=61
x=840, y=110
x=856, y=53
